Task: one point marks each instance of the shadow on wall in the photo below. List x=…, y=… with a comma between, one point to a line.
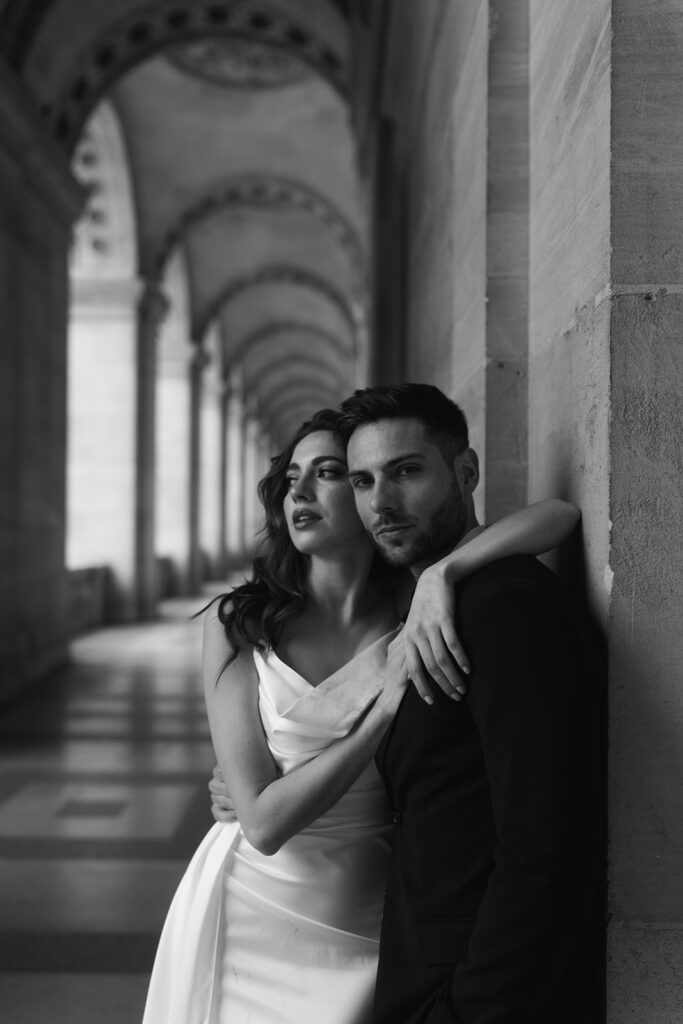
x=568, y=561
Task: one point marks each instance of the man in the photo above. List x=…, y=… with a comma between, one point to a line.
x=490, y=907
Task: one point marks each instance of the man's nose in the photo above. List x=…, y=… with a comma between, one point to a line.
x=381, y=499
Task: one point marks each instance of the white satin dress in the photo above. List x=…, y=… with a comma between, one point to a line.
x=292, y=938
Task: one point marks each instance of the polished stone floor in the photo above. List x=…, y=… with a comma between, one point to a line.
x=103, y=799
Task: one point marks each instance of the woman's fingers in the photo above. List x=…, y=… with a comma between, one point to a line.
x=420, y=680
x=452, y=641
x=428, y=658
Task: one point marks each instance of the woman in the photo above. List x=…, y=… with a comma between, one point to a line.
x=277, y=917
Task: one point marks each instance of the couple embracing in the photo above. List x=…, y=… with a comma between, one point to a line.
x=405, y=716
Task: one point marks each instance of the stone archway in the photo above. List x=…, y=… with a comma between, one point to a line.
x=152, y=27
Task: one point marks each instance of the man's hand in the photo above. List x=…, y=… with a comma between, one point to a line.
x=222, y=807
x=431, y=644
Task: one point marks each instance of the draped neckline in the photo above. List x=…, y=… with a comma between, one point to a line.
x=271, y=653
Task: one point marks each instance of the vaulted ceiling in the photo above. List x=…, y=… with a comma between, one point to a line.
x=235, y=123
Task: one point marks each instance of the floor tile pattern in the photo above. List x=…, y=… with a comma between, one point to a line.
x=103, y=799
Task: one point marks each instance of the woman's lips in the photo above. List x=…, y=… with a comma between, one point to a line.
x=300, y=520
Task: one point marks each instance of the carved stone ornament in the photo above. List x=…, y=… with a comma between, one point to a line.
x=239, y=63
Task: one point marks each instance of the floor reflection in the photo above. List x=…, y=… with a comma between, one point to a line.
x=103, y=798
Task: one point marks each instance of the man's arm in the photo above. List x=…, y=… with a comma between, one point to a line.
x=535, y=703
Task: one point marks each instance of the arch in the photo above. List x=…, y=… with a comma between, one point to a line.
x=326, y=376
x=267, y=192
x=284, y=274
x=267, y=390
x=105, y=236
x=303, y=392
x=151, y=28
x=307, y=330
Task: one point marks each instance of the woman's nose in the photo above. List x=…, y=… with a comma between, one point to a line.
x=303, y=489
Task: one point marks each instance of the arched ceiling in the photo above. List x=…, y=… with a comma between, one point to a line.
x=267, y=303
x=286, y=408
x=235, y=123
x=280, y=337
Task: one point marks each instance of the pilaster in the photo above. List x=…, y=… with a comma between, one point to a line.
x=152, y=308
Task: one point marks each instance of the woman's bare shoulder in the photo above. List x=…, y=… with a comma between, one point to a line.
x=226, y=654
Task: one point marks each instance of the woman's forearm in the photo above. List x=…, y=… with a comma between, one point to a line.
x=529, y=531
x=288, y=804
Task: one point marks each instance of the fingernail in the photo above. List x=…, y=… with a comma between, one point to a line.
x=461, y=689
x=428, y=700
x=455, y=696
x=466, y=669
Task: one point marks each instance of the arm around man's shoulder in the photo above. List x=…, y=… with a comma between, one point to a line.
x=516, y=617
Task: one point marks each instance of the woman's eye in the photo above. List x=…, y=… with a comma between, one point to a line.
x=291, y=480
x=329, y=474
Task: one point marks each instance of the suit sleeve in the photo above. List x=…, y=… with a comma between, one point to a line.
x=535, y=705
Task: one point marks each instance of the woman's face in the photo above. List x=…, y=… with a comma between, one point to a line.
x=319, y=507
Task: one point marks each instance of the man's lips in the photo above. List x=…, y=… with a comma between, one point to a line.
x=389, y=528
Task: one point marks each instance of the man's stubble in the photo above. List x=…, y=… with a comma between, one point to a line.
x=445, y=528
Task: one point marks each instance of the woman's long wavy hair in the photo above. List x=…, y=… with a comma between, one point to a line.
x=257, y=610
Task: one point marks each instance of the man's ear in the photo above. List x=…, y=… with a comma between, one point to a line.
x=469, y=467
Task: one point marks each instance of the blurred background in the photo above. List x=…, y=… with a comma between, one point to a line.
x=217, y=216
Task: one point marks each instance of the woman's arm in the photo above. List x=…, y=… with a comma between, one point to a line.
x=432, y=647
x=273, y=808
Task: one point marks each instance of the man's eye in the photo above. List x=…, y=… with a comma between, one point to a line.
x=360, y=482
x=407, y=470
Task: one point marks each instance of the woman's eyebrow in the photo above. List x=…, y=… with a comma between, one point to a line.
x=327, y=458
x=317, y=460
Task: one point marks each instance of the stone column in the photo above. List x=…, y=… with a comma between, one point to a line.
x=234, y=476
x=197, y=365
x=151, y=311
x=102, y=474
x=223, y=499
x=507, y=259
x=173, y=457
x=387, y=357
x=251, y=476
x=210, y=457
x=39, y=201
x=645, y=938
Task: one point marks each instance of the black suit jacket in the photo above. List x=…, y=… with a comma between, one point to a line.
x=490, y=907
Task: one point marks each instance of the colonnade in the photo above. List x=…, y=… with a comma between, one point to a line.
x=165, y=449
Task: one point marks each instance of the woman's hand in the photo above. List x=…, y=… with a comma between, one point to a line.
x=395, y=677
x=222, y=807
x=431, y=645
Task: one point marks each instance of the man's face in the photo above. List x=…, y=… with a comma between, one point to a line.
x=414, y=506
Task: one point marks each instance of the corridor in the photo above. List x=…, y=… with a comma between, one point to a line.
x=218, y=216
x=103, y=775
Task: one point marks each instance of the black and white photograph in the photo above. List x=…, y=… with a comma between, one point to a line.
x=341, y=449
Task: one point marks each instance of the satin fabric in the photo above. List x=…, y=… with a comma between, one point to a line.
x=292, y=938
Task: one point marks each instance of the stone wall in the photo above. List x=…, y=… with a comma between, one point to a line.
x=645, y=980
x=507, y=258
x=594, y=317
x=434, y=93
x=38, y=201
x=569, y=315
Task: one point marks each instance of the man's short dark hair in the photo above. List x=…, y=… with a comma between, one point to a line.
x=444, y=421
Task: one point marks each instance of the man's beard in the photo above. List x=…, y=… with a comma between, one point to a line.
x=426, y=544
